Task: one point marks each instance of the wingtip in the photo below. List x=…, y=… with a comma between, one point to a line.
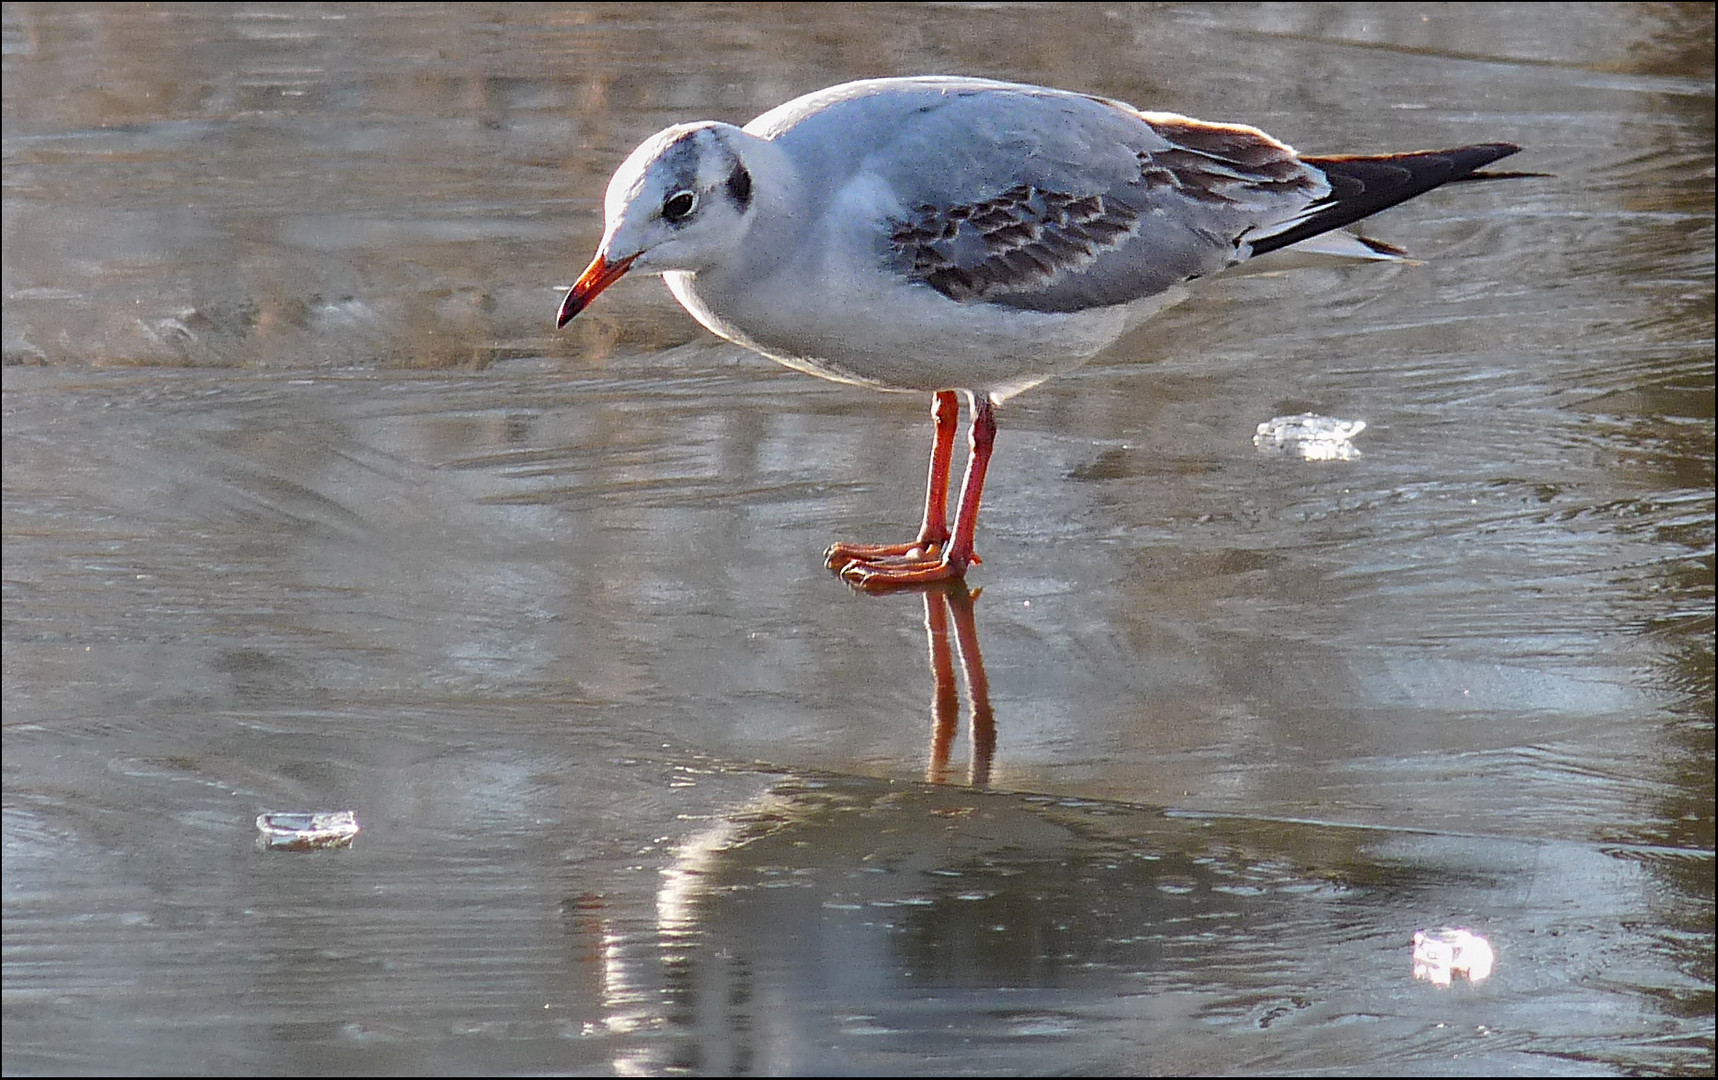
x=1363, y=184
x=1500, y=151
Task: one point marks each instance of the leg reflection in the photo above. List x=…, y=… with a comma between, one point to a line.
x=950, y=602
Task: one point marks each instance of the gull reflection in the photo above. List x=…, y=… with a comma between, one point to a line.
x=842, y=924
x=947, y=602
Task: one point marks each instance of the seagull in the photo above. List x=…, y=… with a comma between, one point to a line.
x=961, y=236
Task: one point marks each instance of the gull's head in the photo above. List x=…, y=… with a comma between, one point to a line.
x=679, y=202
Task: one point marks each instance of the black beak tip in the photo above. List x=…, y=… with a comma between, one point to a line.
x=569, y=308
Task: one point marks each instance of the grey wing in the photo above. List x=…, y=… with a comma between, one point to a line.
x=1058, y=202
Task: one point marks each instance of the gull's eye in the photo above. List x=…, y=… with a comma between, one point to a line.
x=679, y=206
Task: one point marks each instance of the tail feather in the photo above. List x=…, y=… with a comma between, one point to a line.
x=1362, y=186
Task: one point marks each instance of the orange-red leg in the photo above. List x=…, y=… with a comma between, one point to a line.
x=917, y=564
x=933, y=531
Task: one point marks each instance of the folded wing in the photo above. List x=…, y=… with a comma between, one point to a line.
x=1195, y=198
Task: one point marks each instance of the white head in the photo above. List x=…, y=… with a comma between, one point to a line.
x=678, y=202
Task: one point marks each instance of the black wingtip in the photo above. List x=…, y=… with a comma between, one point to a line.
x=1360, y=186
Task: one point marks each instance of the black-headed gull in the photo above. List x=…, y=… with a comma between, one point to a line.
x=948, y=234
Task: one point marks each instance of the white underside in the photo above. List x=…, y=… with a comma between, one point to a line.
x=891, y=335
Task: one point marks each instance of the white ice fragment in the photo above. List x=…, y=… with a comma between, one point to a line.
x=1313, y=437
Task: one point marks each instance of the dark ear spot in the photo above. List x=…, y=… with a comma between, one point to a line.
x=739, y=187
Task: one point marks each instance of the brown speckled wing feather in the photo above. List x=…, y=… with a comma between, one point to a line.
x=1198, y=198
x=1193, y=191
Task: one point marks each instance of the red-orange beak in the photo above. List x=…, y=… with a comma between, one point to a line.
x=599, y=275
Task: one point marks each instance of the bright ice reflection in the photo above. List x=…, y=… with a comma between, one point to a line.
x=1440, y=955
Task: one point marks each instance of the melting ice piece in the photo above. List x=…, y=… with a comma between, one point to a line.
x=288, y=830
x=1440, y=955
x=1313, y=437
